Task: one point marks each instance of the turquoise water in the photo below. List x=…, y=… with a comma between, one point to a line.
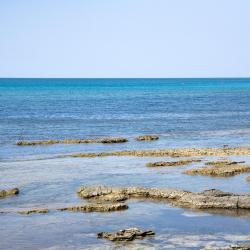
x=183, y=112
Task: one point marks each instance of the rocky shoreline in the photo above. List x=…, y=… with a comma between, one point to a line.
x=208, y=199
x=73, y=141
x=178, y=152
x=220, y=169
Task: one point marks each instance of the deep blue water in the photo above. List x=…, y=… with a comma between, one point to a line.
x=184, y=112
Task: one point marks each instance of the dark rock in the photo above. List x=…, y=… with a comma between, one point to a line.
x=126, y=234
x=96, y=207
x=10, y=192
x=34, y=211
x=147, y=138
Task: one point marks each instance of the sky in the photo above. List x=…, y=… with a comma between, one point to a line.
x=125, y=38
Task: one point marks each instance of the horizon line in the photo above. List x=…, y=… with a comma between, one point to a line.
x=213, y=77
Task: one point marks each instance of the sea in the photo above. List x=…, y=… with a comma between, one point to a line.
x=184, y=113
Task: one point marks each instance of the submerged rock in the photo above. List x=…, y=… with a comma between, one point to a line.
x=73, y=141
x=34, y=211
x=178, y=152
x=126, y=234
x=171, y=163
x=96, y=207
x=10, y=192
x=220, y=169
x=208, y=199
x=248, y=178
x=147, y=138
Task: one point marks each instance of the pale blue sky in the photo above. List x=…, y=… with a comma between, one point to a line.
x=124, y=38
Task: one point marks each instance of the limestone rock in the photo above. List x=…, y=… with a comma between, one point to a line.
x=221, y=169
x=73, y=141
x=208, y=199
x=171, y=163
x=147, y=138
x=96, y=207
x=126, y=234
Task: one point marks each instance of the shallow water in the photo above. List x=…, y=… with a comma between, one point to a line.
x=183, y=112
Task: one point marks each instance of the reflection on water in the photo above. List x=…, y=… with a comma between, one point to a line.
x=53, y=183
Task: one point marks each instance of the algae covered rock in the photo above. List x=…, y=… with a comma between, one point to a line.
x=73, y=141
x=147, y=138
x=10, y=192
x=96, y=207
x=177, y=152
x=34, y=211
x=171, y=163
x=220, y=169
x=208, y=199
x=126, y=234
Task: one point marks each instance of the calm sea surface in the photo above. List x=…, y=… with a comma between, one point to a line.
x=183, y=112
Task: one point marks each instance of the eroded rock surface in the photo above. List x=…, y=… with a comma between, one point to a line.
x=73, y=141
x=147, y=138
x=179, y=152
x=171, y=163
x=10, y=192
x=126, y=234
x=220, y=169
x=208, y=199
x=34, y=211
x=96, y=207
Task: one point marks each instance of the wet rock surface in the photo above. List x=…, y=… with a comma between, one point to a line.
x=126, y=234
x=208, y=199
x=178, y=152
x=248, y=178
x=34, y=211
x=9, y=192
x=147, y=138
x=231, y=247
x=96, y=207
x=220, y=169
x=73, y=141
x=171, y=163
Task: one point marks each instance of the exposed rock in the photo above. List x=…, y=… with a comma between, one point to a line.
x=96, y=207
x=34, y=211
x=208, y=199
x=179, y=152
x=220, y=169
x=147, y=138
x=171, y=163
x=248, y=178
x=10, y=192
x=72, y=141
x=223, y=163
x=231, y=247
x=126, y=234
